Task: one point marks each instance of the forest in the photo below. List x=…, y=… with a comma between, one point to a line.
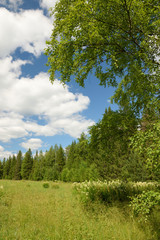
x=105, y=184
x=119, y=146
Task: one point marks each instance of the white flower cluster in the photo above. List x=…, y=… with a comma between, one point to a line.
x=111, y=190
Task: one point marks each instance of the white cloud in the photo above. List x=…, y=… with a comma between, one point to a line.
x=11, y=126
x=28, y=30
x=12, y=4
x=33, y=143
x=47, y=3
x=22, y=98
x=3, y=153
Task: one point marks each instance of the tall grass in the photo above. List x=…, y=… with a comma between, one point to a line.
x=112, y=191
x=28, y=211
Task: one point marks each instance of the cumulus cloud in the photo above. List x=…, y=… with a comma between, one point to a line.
x=32, y=107
x=32, y=143
x=11, y=126
x=47, y=3
x=11, y=4
x=3, y=153
x=28, y=30
x=22, y=98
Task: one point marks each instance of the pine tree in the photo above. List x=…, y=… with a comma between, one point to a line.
x=7, y=167
x=17, y=175
x=27, y=165
x=60, y=159
x=1, y=170
x=50, y=164
x=38, y=170
x=4, y=162
x=12, y=168
x=71, y=155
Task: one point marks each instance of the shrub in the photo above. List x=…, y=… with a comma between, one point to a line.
x=144, y=203
x=46, y=185
x=111, y=191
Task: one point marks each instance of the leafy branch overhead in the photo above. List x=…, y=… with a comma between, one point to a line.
x=114, y=39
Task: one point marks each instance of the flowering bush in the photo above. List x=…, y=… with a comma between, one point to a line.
x=111, y=191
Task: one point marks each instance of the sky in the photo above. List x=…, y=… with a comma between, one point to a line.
x=33, y=112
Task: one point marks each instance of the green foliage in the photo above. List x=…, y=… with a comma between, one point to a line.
x=144, y=203
x=27, y=165
x=45, y=214
x=1, y=170
x=115, y=149
x=38, y=168
x=12, y=168
x=146, y=145
x=17, y=173
x=109, y=140
x=115, y=38
x=112, y=191
x=46, y=185
x=6, y=168
x=60, y=159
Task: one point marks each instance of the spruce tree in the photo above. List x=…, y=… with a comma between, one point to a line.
x=60, y=159
x=12, y=168
x=17, y=175
x=6, y=169
x=4, y=162
x=1, y=170
x=27, y=165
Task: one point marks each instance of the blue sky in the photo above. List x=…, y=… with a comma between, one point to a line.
x=34, y=113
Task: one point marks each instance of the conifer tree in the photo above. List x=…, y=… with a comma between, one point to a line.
x=27, y=165
x=60, y=159
x=12, y=168
x=4, y=162
x=38, y=170
x=17, y=175
x=71, y=155
x=7, y=167
x=1, y=170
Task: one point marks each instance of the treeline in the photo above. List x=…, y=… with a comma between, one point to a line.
x=115, y=148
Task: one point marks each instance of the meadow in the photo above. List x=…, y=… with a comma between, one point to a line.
x=36, y=211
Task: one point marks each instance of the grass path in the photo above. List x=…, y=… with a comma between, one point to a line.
x=30, y=212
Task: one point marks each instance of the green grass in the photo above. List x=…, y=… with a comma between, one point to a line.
x=28, y=211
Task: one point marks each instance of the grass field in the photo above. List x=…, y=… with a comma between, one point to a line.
x=28, y=211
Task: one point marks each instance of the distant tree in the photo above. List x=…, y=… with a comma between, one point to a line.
x=60, y=159
x=38, y=170
x=50, y=157
x=27, y=165
x=109, y=141
x=71, y=155
x=3, y=164
x=1, y=170
x=17, y=175
x=12, y=167
x=82, y=148
x=7, y=167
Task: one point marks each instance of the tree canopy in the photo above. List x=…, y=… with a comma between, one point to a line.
x=116, y=39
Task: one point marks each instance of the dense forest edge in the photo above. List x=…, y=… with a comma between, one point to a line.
x=119, y=146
